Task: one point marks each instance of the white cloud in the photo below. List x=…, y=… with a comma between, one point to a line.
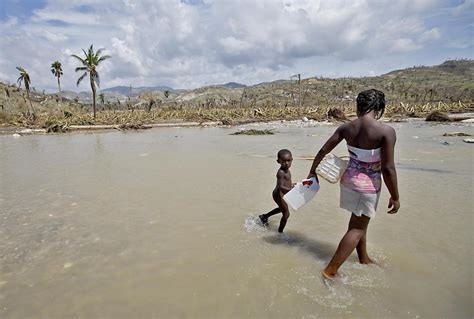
x=53, y=37
x=429, y=35
x=128, y=55
x=404, y=45
x=186, y=45
x=467, y=5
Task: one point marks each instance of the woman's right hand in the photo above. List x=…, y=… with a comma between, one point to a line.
x=393, y=206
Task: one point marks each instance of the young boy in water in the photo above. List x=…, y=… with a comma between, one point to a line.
x=283, y=186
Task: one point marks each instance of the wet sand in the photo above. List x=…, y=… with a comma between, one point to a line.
x=162, y=223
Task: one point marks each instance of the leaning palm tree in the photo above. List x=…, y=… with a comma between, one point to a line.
x=57, y=71
x=25, y=78
x=90, y=63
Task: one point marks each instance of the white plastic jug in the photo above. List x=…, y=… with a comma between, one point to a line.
x=331, y=168
x=302, y=193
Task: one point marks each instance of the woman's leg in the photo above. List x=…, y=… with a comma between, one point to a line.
x=362, y=250
x=357, y=231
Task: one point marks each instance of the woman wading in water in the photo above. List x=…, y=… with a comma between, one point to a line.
x=371, y=150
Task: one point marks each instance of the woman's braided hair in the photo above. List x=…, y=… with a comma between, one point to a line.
x=371, y=100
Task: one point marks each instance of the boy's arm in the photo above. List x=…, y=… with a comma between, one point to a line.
x=281, y=182
x=388, y=169
x=330, y=144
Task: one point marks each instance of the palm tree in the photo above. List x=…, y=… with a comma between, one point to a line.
x=57, y=71
x=25, y=78
x=90, y=63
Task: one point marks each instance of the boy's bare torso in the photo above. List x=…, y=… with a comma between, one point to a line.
x=283, y=179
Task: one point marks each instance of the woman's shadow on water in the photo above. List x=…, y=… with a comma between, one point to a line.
x=319, y=249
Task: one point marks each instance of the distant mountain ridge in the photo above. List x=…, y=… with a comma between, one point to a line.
x=233, y=85
x=125, y=90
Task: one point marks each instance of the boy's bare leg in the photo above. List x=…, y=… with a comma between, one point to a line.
x=273, y=212
x=357, y=229
x=286, y=214
x=264, y=217
x=277, y=197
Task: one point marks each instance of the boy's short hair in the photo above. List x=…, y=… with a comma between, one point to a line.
x=283, y=152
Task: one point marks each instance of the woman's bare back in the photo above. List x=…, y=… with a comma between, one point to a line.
x=365, y=132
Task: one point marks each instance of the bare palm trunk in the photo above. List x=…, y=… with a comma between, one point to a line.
x=93, y=94
x=29, y=100
x=59, y=87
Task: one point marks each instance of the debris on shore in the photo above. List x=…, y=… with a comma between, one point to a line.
x=254, y=132
x=337, y=114
x=132, y=126
x=456, y=134
x=437, y=116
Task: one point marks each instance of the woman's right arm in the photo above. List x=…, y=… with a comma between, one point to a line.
x=389, y=171
x=330, y=144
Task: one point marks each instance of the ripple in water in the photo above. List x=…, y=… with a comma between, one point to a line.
x=332, y=295
x=340, y=294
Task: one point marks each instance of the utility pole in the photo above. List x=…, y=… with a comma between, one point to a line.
x=299, y=85
x=129, y=102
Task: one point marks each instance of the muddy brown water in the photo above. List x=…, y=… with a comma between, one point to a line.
x=162, y=224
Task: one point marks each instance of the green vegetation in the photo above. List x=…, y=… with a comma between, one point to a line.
x=57, y=71
x=25, y=78
x=90, y=63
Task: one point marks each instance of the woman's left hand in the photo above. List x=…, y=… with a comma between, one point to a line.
x=393, y=206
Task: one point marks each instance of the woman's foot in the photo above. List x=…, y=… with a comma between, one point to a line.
x=263, y=219
x=328, y=276
x=366, y=261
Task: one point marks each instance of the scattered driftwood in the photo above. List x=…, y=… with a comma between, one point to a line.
x=437, y=116
x=254, y=132
x=397, y=119
x=258, y=112
x=456, y=134
x=227, y=121
x=337, y=114
x=57, y=128
x=132, y=126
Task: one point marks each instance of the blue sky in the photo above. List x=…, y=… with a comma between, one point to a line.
x=192, y=43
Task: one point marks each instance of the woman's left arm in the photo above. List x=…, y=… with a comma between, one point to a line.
x=330, y=144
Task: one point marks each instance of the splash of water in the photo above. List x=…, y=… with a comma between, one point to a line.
x=253, y=223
